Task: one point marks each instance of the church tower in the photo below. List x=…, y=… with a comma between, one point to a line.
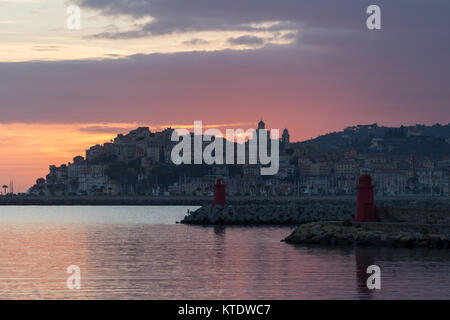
x=285, y=136
x=261, y=125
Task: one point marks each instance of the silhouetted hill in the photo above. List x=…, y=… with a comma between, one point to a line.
x=422, y=140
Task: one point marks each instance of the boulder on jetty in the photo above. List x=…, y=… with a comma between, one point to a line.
x=371, y=234
x=252, y=214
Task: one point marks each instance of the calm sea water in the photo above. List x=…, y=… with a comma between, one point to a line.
x=128, y=252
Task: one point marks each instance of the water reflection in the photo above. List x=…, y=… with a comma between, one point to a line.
x=136, y=254
x=364, y=258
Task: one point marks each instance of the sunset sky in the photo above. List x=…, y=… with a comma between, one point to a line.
x=310, y=66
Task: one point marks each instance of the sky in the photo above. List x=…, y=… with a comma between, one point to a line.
x=310, y=66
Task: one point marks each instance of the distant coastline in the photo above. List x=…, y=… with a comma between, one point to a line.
x=102, y=200
x=191, y=200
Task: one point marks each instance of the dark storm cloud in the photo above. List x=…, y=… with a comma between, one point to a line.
x=346, y=82
x=246, y=40
x=198, y=15
x=326, y=23
x=289, y=36
x=132, y=34
x=104, y=129
x=336, y=70
x=195, y=42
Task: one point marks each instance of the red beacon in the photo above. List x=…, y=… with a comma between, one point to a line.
x=365, y=204
x=219, y=193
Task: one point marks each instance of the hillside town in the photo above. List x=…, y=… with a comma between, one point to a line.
x=139, y=163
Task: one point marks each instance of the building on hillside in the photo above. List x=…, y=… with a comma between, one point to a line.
x=93, y=153
x=313, y=169
x=111, y=188
x=346, y=168
x=444, y=163
x=415, y=132
x=154, y=153
x=85, y=178
x=389, y=181
x=57, y=175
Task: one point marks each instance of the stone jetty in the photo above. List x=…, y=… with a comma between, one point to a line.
x=300, y=211
x=371, y=234
x=253, y=214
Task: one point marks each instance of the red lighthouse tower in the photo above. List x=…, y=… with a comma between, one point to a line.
x=219, y=193
x=365, y=205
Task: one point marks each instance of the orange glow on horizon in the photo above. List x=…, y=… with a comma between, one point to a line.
x=27, y=150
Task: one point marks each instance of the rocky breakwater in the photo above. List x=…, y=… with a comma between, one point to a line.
x=371, y=234
x=300, y=211
x=293, y=213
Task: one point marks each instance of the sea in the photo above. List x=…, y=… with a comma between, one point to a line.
x=141, y=252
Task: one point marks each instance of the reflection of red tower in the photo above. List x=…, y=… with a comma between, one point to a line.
x=365, y=206
x=219, y=193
